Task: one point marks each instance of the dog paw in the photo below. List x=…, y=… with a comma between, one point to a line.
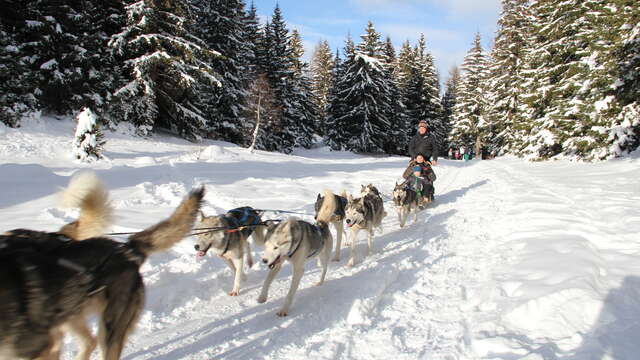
x=234, y=293
x=281, y=313
x=262, y=299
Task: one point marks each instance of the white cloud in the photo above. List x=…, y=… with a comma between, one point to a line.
x=402, y=32
x=453, y=7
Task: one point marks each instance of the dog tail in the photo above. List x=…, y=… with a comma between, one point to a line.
x=165, y=234
x=87, y=192
x=328, y=207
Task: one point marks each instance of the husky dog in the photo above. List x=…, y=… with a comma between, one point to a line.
x=231, y=245
x=296, y=240
x=405, y=200
x=369, y=189
x=365, y=213
x=51, y=282
x=337, y=218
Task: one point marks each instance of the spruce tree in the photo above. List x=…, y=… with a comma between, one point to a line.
x=338, y=127
x=469, y=127
x=449, y=101
x=397, y=139
x=322, y=65
x=366, y=96
x=165, y=69
x=16, y=81
x=221, y=25
x=506, y=73
x=89, y=141
x=432, y=111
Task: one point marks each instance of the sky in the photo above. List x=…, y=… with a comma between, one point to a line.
x=448, y=25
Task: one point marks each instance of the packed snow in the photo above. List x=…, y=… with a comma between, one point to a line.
x=515, y=260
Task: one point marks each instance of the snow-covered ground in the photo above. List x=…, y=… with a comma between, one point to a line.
x=515, y=260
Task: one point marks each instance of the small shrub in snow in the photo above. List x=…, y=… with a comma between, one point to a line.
x=89, y=141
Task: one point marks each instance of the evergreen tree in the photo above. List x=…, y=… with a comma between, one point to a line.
x=165, y=69
x=366, y=96
x=572, y=63
x=322, y=66
x=221, y=25
x=303, y=114
x=432, y=111
x=16, y=82
x=338, y=128
x=506, y=72
x=449, y=100
x=469, y=126
x=396, y=139
x=89, y=140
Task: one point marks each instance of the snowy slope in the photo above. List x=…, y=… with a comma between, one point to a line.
x=515, y=260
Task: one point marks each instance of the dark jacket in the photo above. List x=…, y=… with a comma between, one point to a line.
x=425, y=145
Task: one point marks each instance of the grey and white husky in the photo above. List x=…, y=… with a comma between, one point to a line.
x=337, y=218
x=231, y=245
x=297, y=241
x=405, y=200
x=51, y=281
x=364, y=213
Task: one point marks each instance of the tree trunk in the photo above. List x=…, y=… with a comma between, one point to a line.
x=255, y=131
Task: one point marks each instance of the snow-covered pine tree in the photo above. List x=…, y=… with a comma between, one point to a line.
x=88, y=140
x=469, y=127
x=165, y=69
x=337, y=130
x=449, y=101
x=322, y=65
x=432, y=110
x=366, y=96
x=303, y=113
x=396, y=139
x=573, y=66
x=221, y=25
x=16, y=81
x=506, y=75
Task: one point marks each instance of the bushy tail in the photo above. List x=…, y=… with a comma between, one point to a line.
x=87, y=192
x=328, y=207
x=165, y=234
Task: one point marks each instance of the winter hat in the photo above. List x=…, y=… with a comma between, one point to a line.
x=423, y=124
x=417, y=168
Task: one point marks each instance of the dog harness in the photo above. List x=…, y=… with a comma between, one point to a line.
x=239, y=217
x=317, y=243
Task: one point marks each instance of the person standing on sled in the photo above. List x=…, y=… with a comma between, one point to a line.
x=423, y=144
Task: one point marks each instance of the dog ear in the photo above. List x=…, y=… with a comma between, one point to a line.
x=200, y=216
x=319, y=196
x=350, y=198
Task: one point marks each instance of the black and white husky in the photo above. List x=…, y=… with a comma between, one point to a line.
x=297, y=241
x=405, y=200
x=364, y=213
x=51, y=281
x=337, y=218
x=232, y=244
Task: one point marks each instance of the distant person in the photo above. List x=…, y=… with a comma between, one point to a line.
x=450, y=154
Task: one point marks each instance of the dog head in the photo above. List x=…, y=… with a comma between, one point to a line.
x=277, y=244
x=399, y=194
x=210, y=239
x=354, y=212
x=369, y=189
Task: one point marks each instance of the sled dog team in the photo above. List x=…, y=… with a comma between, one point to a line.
x=52, y=282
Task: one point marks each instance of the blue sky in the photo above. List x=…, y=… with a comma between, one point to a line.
x=448, y=25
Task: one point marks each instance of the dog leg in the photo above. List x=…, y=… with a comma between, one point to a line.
x=249, y=255
x=237, y=262
x=370, y=241
x=352, y=260
x=267, y=283
x=119, y=318
x=230, y=263
x=88, y=342
x=298, y=271
x=339, y=230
